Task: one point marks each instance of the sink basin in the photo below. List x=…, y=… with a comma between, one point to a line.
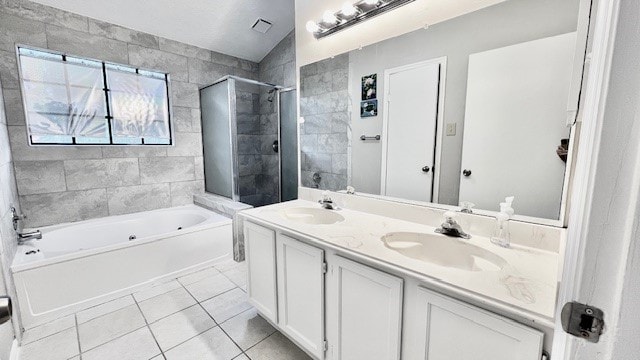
x=312, y=216
x=443, y=251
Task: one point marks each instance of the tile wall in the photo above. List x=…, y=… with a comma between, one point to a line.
x=324, y=136
x=62, y=184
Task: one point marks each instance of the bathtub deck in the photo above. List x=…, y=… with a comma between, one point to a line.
x=204, y=315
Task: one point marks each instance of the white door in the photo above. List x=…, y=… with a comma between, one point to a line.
x=260, y=250
x=409, y=130
x=364, y=312
x=453, y=330
x=515, y=117
x=301, y=293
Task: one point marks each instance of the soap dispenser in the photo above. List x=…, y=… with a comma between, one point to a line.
x=501, y=235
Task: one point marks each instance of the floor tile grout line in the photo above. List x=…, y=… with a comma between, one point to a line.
x=173, y=313
x=155, y=296
x=105, y=314
x=76, y=324
x=115, y=338
x=44, y=337
x=98, y=305
x=149, y=328
x=194, y=336
x=215, y=296
x=217, y=324
x=259, y=342
x=228, y=278
x=200, y=333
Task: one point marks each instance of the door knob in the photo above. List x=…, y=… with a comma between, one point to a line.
x=466, y=172
x=426, y=169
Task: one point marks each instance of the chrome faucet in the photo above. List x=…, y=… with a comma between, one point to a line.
x=326, y=201
x=450, y=227
x=23, y=237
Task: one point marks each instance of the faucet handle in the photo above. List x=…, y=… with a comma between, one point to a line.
x=450, y=216
x=15, y=217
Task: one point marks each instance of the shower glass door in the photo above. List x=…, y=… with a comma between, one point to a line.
x=288, y=146
x=218, y=138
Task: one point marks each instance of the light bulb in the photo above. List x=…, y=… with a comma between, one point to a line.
x=348, y=9
x=329, y=18
x=371, y=2
x=312, y=27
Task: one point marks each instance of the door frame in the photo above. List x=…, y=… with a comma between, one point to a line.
x=582, y=186
x=442, y=61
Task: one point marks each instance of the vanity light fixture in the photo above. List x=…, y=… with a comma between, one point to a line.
x=351, y=14
x=329, y=18
x=348, y=10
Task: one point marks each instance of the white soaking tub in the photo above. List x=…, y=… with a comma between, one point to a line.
x=79, y=265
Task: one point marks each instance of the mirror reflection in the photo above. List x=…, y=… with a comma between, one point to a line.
x=473, y=109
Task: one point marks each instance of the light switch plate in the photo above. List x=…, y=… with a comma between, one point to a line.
x=451, y=129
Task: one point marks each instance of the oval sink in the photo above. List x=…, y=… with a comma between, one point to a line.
x=443, y=251
x=312, y=216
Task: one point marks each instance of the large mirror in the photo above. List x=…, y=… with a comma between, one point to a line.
x=472, y=109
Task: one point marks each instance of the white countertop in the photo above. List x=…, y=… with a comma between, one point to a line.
x=528, y=282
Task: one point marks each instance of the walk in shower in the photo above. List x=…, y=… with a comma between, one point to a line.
x=250, y=141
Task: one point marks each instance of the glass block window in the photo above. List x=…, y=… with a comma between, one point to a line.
x=73, y=101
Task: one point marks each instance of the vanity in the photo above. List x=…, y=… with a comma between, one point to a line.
x=481, y=109
x=352, y=284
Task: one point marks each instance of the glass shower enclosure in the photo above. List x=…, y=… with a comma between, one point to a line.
x=250, y=139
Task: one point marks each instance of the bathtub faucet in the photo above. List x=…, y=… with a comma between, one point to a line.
x=28, y=236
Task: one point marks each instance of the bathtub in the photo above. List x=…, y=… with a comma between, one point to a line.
x=78, y=265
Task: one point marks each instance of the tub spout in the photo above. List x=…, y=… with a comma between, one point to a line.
x=28, y=236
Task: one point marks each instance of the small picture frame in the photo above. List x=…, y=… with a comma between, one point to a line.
x=369, y=87
x=369, y=108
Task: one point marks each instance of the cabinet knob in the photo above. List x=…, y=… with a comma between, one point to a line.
x=466, y=172
x=426, y=169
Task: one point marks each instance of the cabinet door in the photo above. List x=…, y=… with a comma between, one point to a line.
x=452, y=330
x=301, y=293
x=364, y=312
x=260, y=250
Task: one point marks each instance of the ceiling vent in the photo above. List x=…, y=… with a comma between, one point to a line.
x=261, y=26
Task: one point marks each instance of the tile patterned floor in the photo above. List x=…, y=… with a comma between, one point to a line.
x=204, y=315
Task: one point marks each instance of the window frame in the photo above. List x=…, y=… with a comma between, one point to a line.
x=107, y=101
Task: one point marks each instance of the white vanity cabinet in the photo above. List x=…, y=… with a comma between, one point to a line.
x=364, y=312
x=452, y=330
x=338, y=309
x=260, y=253
x=301, y=293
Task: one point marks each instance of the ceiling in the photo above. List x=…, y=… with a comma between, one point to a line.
x=219, y=25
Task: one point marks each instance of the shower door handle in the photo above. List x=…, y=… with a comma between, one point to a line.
x=275, y=146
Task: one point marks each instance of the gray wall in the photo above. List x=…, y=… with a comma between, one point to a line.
x=8, y=198
x=61, y=184
x=324, y=136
